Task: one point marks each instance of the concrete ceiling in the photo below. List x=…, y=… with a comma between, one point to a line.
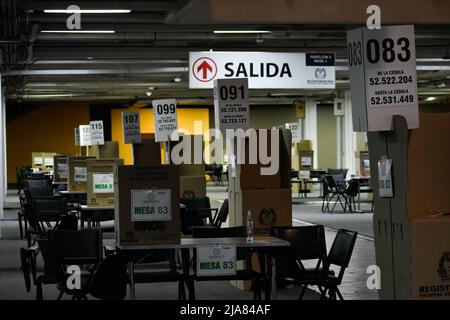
x=150, y=47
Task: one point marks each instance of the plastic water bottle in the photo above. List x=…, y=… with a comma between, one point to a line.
x=249, y=226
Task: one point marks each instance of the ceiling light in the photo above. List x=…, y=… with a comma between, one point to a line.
x=430, y=99
x=148, y=93
x=151, y=88
x=240, y=31
x=87, y=11
x=177, y=79
x=77, y=31
x=442, y=85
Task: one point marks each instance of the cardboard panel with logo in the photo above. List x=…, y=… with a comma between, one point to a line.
x=47, y=158
x=192, y=187
x=147, y=205
x=270, y=207
x=101, y=181
x=37, y=160
x=61, y=169
x=77, y=178
x=109, y=150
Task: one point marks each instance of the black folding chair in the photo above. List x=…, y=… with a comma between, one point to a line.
x=196, y=212
x=336, y=185
x=339, y=255
x=307, y=243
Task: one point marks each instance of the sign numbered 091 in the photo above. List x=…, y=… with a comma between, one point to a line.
x=383, y=75
x=231, y=107
x=166, y=121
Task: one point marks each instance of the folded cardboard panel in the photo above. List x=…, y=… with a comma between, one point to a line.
x=77, y=178
x=306, y=160
x=147, y=205
x=61, y=171
x=192, y=187
x=147, y=153
x=47, y=158
x=101, y=181
x=109, y=150
x=37, y=160
x=252, y=176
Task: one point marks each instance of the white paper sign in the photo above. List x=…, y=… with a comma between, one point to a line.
x=216, y=260
x=306, y=161
x=103, y=183
x=97, y=135
x=366, y=164
x=264, y=70
x=85, y=135
x=385, y=178
x=80, y=174
x=131, y=125
x=37, y=161
x=295, y=131
x=48, y=161
x=231, y=109
x=77, y=136
x=339, y=107
x=151, y=205
x=166, y=121
x=62, y=170
x=304, y=174
x=383, y=79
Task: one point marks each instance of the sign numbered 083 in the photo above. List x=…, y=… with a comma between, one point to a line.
x=383, y=77
x=166, y=121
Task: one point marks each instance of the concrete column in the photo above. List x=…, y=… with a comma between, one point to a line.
x=3, y=180
x=310, y=126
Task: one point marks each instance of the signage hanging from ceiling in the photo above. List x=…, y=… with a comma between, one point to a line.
x=264, y=70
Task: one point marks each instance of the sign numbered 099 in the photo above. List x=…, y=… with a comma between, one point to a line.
x=166, y=121
x=383, y=72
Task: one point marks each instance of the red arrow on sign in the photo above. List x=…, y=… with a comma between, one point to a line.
x=205, y=67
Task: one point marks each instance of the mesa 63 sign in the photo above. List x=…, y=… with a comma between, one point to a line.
x=264, y=70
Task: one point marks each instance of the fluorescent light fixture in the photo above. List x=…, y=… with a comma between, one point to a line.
x=87, y=11
x=430, y=99
x=148, y=93
x=177, y=79
x=77, y=31
x=151, y=88
x=240, y=31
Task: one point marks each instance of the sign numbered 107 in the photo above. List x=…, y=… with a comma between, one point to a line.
x=383, y=76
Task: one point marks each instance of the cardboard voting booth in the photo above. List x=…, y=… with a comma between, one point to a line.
x=102, y=181
x=412, y=228
x=109, y=150
x=147, y=205
x=77, y=173
x=61, y=171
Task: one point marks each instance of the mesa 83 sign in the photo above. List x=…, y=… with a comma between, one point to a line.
x=382, y=76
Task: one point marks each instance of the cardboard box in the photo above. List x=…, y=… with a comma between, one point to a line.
x=61, y=169
x=77, y=167
x=47, y=161
x=109, y=150
x=133, y=181
x=83, y=151
x=192, y=169
x=192, y=187
x=147, y=153
x=270, y=207
x=101, y=181
x=362, y=162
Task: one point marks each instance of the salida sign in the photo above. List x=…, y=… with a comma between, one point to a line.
x=264, y=70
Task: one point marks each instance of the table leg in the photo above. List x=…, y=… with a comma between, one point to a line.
x=132, y=287
x=273, y=271
x=185, y=256
x=359, y=200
